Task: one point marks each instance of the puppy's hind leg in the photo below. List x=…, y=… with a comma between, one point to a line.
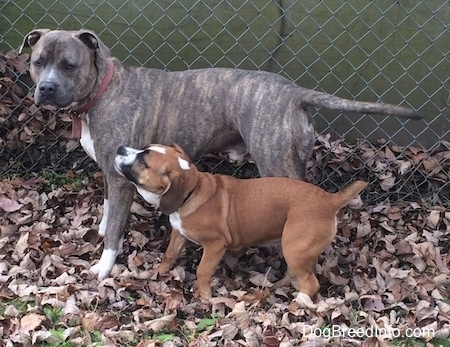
x=301, y=250
x=120, y=196
x=303, y=271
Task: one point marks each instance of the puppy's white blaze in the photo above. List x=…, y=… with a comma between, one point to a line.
x=184, y=164
x=161, y=150
x=105, y=264
x=150, y=197
x=86, y=140
x=103, y=223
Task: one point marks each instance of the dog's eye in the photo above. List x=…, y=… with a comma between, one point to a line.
x=37, y=63
x=69, y=67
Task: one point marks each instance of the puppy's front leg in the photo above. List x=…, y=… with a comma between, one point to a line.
x=176, y=245
x=212, y=254
x=120, y=196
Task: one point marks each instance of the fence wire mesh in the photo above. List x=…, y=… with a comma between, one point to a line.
x=388, y=51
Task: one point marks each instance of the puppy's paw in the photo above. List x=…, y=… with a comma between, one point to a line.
x=103, y=268
x=305, y=301
x=162, y=268
x=204, y=294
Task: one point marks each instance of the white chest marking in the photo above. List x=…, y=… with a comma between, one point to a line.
x=175, y=222
x=86, y=140
x=151, y=198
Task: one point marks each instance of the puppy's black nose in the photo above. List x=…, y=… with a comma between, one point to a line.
x=121, y=150
x=47, y=88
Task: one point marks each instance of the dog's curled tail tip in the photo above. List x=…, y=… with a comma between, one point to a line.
x=349, y=192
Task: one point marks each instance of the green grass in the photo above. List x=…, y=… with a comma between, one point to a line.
x=54, y=314
x=21, y=305
x=54, y=179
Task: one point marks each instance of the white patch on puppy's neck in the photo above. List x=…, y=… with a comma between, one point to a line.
x=184, y=164
x=152, y=198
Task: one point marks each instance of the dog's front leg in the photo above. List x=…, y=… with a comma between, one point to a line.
x=176, y=245
x=119, y=198
x=104, y=221
x=212, y=254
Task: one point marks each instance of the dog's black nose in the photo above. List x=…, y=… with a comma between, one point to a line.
x=122, y=150
x=47, y=88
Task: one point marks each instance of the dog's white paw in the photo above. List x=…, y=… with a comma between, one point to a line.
x=102, y=225
x=103, y=268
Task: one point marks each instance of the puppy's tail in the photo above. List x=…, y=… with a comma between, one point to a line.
x=343, y=197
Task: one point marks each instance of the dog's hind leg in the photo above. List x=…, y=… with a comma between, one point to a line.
x=283, y=151
x=120, y=196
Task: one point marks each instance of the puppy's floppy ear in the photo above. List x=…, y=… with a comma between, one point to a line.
x=32, y=38
x=182, y=153
x=173, y=196
x=179, y=149
x=90, y=39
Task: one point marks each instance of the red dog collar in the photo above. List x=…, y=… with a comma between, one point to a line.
x=75, y=116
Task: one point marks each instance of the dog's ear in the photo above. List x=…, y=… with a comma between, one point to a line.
x=32, y=38
x=90, y=39
x=173, y=195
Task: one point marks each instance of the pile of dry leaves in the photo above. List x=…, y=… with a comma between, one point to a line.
x=387, y=269
x=385, y=275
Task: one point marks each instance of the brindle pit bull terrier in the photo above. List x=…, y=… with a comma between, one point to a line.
x=205, y=110
x=221, y=212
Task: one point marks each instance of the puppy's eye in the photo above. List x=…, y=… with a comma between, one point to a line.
x=37, y=63
x=69, y=67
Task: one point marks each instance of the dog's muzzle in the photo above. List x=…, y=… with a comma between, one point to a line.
x=124, y=160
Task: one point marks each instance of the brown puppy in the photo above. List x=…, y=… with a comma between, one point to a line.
x=221, y=212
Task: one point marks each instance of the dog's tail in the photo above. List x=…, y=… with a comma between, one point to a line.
x=319, y=99
x=343, y=197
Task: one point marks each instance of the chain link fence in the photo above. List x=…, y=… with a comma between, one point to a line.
x=390, y=51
